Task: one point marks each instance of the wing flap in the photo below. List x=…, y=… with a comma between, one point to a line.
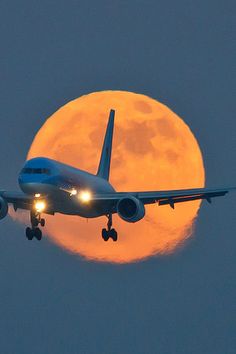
x=207, y=196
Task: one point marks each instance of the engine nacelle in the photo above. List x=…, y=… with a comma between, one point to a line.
x=130, y=209
x=3, y=208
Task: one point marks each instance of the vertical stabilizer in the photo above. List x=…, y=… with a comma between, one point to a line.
x=105, y=160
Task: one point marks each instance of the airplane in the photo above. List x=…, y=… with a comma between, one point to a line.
x=49, y=187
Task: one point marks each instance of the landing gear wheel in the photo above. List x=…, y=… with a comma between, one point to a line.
x=38, y=233
x=34, y=231
x=29, y=233
x=105, y=235
x=42, y=222
x=113, y=235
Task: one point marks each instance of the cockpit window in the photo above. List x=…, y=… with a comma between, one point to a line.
x=28, y=170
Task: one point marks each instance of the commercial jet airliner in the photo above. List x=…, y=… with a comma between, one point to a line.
x=49, y=187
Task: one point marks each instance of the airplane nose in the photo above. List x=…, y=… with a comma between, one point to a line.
x=31, y=184
x=33, y=188
x=20, y=180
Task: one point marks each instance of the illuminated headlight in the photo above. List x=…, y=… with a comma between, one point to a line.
x=73, y=192
x=40, y=206
x=85, y=196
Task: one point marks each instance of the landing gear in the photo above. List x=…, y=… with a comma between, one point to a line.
x=105, y=234
x=42, y=222
x=38, y=234
x=34, y=231
x=109, y=232
x=36, y=220
x=31, y=233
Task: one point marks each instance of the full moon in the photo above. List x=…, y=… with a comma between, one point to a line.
x=153, y=149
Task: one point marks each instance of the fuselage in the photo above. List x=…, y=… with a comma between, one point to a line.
x=56, y=183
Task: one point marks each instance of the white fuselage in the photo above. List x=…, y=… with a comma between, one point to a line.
x=56, y=183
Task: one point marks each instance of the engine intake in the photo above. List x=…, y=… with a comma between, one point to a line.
x=3, y=208
x=130, y=209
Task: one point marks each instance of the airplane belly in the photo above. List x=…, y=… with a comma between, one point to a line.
x=93, y=210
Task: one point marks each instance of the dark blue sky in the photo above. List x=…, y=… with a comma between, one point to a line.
x=182, y=53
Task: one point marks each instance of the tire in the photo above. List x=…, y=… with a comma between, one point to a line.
x=105, y=235
x=29, y=233
x=38, y=234
x=42, y=222
x=113, y=235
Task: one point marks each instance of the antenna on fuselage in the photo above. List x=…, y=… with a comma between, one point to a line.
x=105, y=160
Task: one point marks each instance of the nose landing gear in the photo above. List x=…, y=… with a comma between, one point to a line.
x=109, y=232
x=35, y=231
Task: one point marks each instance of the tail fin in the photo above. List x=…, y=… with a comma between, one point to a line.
x=105, y=160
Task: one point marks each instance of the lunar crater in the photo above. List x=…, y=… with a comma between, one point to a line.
x=143, y=107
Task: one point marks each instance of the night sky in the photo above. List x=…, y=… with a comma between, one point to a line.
x=181, y=53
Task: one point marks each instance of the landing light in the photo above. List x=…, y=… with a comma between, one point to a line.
x=73, y=192
x=40, y=205
x=37, y=195
x=85, y=196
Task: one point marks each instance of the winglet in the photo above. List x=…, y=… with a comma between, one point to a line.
x=105, y=160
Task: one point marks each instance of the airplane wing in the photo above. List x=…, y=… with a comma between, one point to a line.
x=166, y=197
x=20, y=200
x=17, y=199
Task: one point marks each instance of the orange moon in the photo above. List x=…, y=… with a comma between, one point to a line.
x=153, y=149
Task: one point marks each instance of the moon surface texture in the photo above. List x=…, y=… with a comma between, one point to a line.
x=153, y=149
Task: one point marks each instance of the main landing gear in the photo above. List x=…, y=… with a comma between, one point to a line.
x=109, y=232
x=35, y=231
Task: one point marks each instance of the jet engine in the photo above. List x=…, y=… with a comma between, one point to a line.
x=3, y=208
x=130, y=209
